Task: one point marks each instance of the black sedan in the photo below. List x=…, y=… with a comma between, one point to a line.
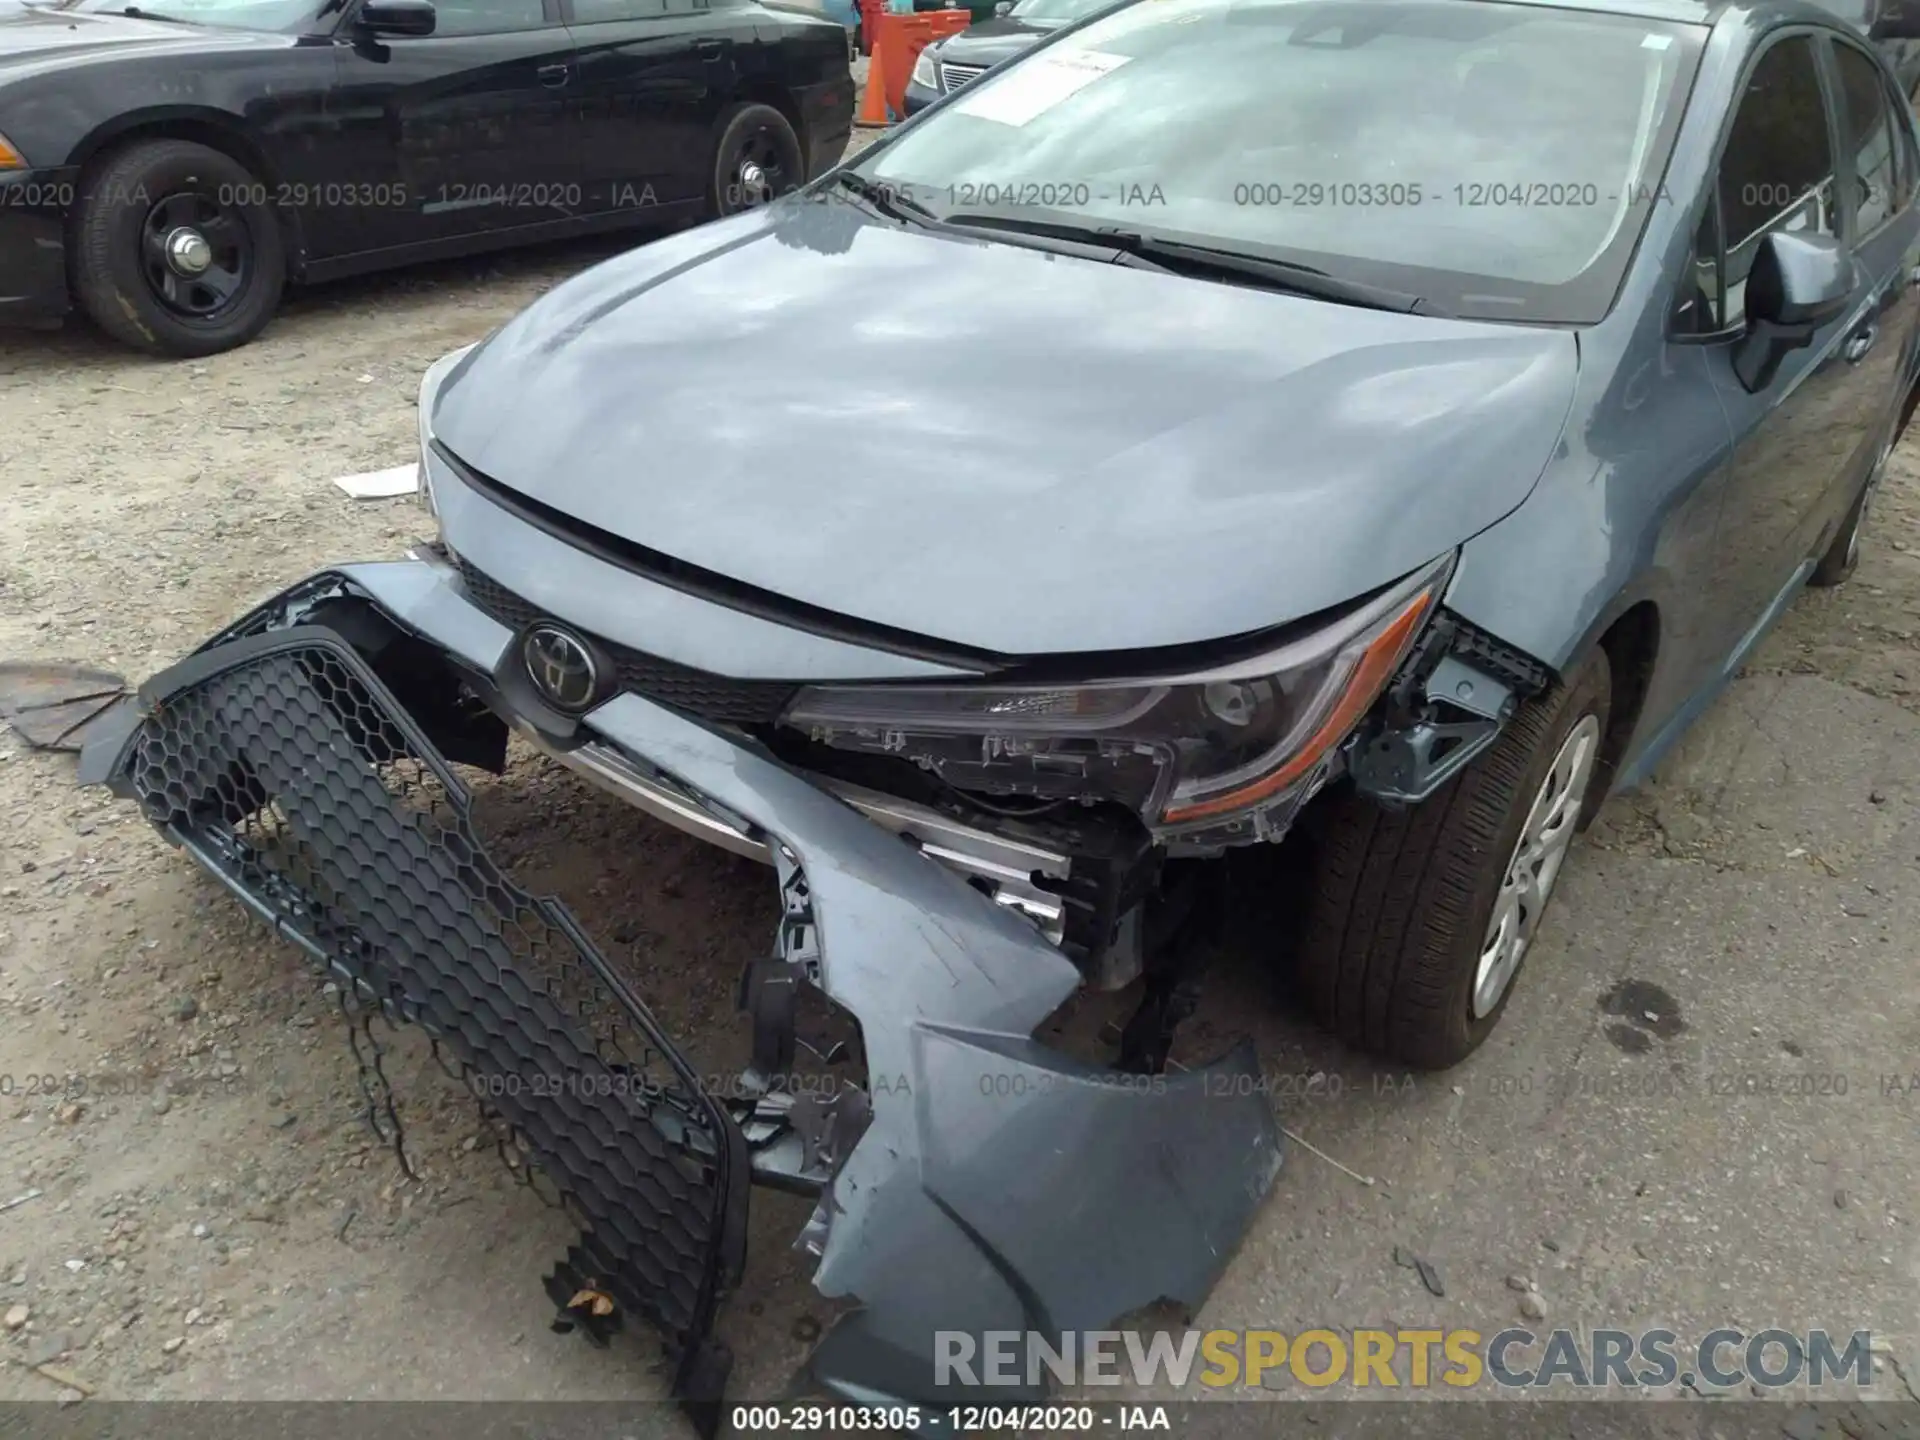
x=172, y=166
x=952, y=62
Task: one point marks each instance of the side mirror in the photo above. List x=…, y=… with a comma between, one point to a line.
x=1003, y=7
x=1798, y=283
x=397, y=17
x=1895, y=20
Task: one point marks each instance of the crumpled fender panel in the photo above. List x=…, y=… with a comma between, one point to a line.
x=286, y=768
x=1004, y=1186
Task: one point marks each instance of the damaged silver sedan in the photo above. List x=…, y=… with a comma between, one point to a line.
x=991, y=563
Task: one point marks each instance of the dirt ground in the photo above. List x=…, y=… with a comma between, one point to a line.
x=210, y=1216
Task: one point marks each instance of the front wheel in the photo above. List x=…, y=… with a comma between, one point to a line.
x=177, y=250
x=1419, y=919
x=756, y=160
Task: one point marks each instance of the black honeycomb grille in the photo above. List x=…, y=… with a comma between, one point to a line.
x=718, y=698
x=287, y=769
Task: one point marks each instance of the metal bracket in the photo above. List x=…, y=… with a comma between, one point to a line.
x=1404, y=767
x=1414, y=750
x=1474, y=691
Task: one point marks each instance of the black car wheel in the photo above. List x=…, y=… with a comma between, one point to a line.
x=756, y=160
x=176, y=250
x=1418, y=920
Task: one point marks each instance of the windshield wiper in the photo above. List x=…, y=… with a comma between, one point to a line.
x=886, y=200
x=134, y=12
x=1182, y=256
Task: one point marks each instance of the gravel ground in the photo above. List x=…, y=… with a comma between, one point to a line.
x=213, y=1218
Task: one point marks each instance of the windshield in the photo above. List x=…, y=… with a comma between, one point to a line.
x=1497, y=159
x=286, y=16
x=1054, y=12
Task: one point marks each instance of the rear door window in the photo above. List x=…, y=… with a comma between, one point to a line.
x=1870, y=140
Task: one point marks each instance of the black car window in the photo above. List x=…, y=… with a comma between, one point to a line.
x=288, y=17
x=489, y=17
x=1777, y=170
x=588, y=12
x=1870, y=138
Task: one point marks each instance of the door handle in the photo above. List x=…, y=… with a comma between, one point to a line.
x=554, y=76
x=1859, y=343
x=708, y=49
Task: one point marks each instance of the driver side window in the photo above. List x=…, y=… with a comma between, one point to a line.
x=1776, y=174
x=489, y=17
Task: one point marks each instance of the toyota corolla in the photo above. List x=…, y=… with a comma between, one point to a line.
x=1384, y=425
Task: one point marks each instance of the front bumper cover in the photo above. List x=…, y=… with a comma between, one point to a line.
x=33, y=266
x=998, y=1185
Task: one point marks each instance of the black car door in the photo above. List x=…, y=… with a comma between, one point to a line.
x=654, y=76
x=472, y=129
x=1794, y=437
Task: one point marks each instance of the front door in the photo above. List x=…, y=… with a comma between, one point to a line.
x=1792, y=439
x=473, y=129
x=1883, y=226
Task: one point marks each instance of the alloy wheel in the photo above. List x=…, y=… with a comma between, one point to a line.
x=1535, y=865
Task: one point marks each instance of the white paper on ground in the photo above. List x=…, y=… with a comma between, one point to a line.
x=1039, y=85
x=381, y=484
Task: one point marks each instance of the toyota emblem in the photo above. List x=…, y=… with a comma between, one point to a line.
x=561, y=667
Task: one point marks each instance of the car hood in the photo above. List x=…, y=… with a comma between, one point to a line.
x=991, y=41
x=30, y=35
x=995, y=447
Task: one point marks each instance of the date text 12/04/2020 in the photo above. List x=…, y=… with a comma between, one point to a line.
x=1275, y=194
x=540, y=1084
x=958, y=1419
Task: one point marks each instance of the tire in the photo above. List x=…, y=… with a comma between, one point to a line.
x=1401, y=902
x=1843, y=555
x=151, y=191
x=762, y=136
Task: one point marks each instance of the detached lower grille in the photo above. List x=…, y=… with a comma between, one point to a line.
x=718, y=698
x=288, y=770
x=952, y=77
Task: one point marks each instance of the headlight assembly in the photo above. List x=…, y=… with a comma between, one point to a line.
x=1231, y=750
x=923, y=72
